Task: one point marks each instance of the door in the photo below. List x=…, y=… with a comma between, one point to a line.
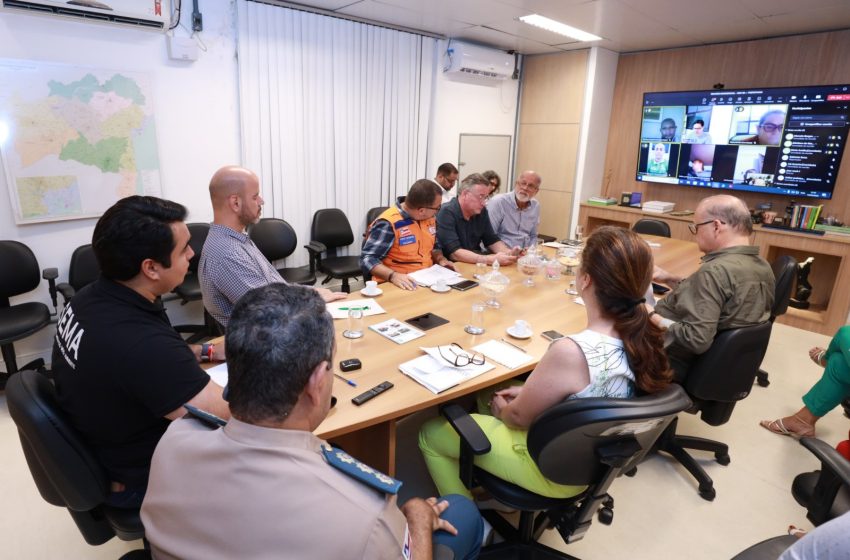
x=480, y=152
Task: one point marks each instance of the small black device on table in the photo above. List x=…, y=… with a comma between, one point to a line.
x=372, y=393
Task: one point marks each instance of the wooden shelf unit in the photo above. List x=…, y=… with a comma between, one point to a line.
x=830, y=299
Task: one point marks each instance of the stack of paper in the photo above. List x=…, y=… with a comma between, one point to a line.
x=437, y=374
x=658, y=206
x=397, y=331
x=428, y=276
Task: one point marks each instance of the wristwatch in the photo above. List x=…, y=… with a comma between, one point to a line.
x=207, y=352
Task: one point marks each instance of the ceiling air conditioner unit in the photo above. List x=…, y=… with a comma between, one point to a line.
x=479, y=62
x=141, y=14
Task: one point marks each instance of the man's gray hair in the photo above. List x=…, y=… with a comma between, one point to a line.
x=472, y=180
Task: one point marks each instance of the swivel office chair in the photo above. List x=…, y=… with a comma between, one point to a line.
x=583, y=442
x=824, y=493
x=19, y=275
x=650, y=226
x=63, y=467
x=329, y=232
x=373, y=214
x=276, y=240
x=784, y=270
x=719, y=378
x=190, y=289
x=83, y=270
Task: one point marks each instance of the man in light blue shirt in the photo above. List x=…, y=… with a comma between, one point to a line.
x=516, y=215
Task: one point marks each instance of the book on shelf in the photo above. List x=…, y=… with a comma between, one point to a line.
x=601, y=201
x=837, y=230
x=658, y=206
x=804, y=216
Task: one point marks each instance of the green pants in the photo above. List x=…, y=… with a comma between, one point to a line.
x=508, y=457
x=834, y=384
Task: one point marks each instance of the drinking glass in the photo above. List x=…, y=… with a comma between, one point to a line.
x=355, y=323
x=476, y=319
x=579, y=235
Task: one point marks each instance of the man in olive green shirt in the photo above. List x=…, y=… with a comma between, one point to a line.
x=733, y=287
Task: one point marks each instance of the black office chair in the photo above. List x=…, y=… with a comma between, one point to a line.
x=824, y=493
x=785, y=272
x=373, y=214
x=330, y=231
x=63, y=466
x=190, y=289
x=276, y=240
x=83, y=271
x=583, y=442
x=650, y=226
x=719, y=378
x=19, y=275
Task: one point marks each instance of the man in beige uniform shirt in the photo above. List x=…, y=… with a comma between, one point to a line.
x=264, y=485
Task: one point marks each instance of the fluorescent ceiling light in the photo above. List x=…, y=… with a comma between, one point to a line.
x=559, y=28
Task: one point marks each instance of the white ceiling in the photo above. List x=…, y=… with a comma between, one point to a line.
x=624, y=25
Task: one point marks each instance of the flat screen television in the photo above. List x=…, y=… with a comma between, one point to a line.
x=785, y=141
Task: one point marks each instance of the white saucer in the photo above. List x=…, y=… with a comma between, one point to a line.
x=376, y=293
x=434, y=289
x=511, y=331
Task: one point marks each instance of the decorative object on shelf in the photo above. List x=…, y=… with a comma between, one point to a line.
x=804, y=289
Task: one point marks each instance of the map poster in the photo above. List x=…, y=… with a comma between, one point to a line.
x=75, y=140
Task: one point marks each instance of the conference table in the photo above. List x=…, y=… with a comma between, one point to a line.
x=368, y=431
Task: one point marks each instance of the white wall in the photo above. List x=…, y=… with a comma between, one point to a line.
x=197, y=120
x=196, y=112
x=596, y=116
x=465, y=108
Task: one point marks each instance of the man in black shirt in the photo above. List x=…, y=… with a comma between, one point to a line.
x=122, y=372
x=463, y=225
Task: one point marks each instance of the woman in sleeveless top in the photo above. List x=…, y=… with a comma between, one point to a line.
x=618, y=351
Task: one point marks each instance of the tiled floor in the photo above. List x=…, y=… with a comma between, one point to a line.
x=658, y=513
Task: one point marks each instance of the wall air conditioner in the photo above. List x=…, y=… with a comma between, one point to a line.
x=482, y=63
x=141, y=14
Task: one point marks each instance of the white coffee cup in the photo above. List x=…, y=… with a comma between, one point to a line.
x=371, y=286
x=521, y=327
x=440, y=285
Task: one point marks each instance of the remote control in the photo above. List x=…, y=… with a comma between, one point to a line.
x=373, y=392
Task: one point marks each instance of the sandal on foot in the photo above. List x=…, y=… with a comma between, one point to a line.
x=778, y=427
x=796, y=532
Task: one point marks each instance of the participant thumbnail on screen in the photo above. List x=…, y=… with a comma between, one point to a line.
x=662, y=123
x=758, y=124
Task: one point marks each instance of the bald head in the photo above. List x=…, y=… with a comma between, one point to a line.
x=730, y=210
x=235, y=196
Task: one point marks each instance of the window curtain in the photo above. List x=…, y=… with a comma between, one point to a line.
x=334, y=113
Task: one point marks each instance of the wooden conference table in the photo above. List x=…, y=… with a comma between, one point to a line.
x=368, y=431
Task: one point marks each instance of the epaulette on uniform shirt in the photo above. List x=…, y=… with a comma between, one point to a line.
x=344, y=462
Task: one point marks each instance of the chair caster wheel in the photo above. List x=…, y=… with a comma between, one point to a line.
x=631, y=472
x=762, y=381
x=606, y=516
x=723, y=458
x=708, y=493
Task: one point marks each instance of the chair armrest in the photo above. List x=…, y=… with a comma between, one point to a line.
x=66, y=290
x=316, y=248
x=51, y=274
x=829, y=458
x=473, y=441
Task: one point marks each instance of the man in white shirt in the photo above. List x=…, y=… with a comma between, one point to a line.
x=446, y=178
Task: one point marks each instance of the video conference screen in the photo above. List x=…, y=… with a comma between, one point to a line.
x=786, y=141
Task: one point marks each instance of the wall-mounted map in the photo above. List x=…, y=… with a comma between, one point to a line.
x=75, y=140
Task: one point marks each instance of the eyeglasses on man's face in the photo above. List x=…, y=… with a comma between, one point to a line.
x=694, y=227
x=669, y=127
x=528, y=185
x=769, y=127
x=459, y=357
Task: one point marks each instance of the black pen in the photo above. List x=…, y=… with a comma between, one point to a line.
x=514, y=345
x=350, y=382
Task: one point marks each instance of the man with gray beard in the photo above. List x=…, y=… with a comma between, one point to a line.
x=516, y=215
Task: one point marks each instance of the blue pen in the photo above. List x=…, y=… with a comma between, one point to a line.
x=350, y=382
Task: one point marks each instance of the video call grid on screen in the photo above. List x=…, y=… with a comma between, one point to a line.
x=786, y=141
